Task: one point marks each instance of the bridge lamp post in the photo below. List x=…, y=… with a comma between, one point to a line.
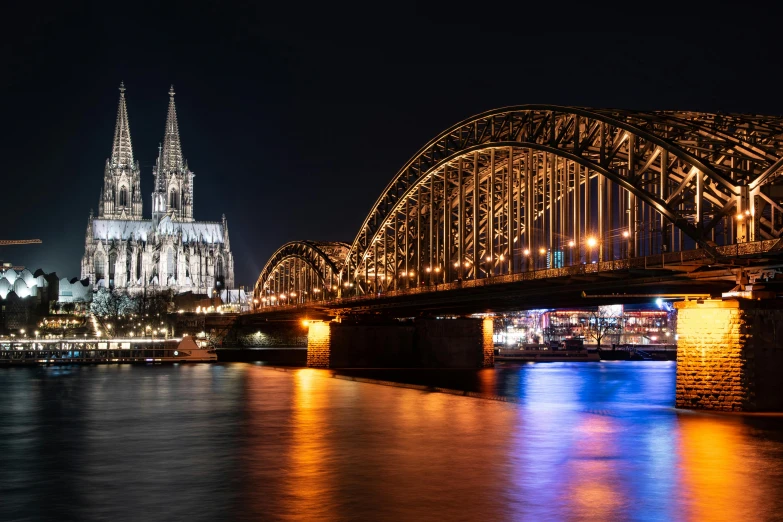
x=542, y=253
x=591, y=243
x=526, y=253
x=627, y=237
x=255, y=304
x=571, y=252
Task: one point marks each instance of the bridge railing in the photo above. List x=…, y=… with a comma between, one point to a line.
x=636, y=263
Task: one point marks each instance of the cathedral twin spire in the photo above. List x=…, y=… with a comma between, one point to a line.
x=171, y=157
x=122, y=149
x=121, y=196
x=173, y=193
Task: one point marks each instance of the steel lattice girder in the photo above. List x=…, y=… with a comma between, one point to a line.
x=322, y=257
x=684, y=165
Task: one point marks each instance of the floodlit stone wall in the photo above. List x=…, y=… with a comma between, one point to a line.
x=488, y=326
x=730, y=355
x=319, y=345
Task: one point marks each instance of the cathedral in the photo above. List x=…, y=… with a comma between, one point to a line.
x=169, y=251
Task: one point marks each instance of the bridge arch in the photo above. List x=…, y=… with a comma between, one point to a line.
x=516, y=188
x=300, y=272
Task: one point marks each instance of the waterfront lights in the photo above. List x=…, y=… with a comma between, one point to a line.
x=316, y=290
x=591, y=242
x=305, y=323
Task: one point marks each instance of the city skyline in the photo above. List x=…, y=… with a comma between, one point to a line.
x=308, y=123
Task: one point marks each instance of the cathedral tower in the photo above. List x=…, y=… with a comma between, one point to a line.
x=173, y=194
x=121, y=196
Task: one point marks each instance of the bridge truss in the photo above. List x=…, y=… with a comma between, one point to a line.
x=301, y=271
x=532, y=187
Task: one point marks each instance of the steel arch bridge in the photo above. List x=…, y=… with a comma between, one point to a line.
x=301, y=271
x=537, y=186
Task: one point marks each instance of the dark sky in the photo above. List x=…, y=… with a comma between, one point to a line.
x=294, y=117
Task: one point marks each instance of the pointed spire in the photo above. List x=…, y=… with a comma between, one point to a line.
x=172, y=148
x=122, y=150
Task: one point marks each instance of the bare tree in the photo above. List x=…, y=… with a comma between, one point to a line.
x=110, y=306
x=603, y=322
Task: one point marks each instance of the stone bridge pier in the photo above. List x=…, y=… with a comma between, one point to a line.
x=422, y=343
x=730, y=355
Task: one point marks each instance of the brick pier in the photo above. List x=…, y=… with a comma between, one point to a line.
x=730, y=355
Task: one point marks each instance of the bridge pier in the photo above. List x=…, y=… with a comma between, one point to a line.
x=730, y=355
x=422, y=343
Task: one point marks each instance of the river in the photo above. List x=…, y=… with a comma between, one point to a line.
x=547, y=441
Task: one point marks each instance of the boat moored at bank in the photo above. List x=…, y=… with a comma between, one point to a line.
x=67, y=351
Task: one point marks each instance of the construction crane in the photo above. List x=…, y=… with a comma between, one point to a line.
x=7, y=242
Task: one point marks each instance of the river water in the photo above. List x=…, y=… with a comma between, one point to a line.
x=548, y=441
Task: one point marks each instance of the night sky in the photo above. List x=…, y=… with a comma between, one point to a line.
x=294, y=118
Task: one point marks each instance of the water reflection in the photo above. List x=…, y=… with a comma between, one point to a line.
x=569, y=441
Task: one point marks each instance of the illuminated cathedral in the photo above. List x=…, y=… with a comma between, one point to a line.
x=169, y=251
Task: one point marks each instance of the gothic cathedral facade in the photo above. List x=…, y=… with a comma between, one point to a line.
x=170, y=251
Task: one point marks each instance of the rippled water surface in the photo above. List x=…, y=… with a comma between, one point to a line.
x=573, y=441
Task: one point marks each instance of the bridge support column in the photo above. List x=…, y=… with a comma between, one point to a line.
x=423, y=343
x=730, y=355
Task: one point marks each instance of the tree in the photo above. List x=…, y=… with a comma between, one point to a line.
x=606, y=320
x=155, y=303
x=108, y=306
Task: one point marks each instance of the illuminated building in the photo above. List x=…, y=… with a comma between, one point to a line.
x=169, y=251
x=635, y=325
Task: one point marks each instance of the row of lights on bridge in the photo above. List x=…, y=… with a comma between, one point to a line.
x=591, y=242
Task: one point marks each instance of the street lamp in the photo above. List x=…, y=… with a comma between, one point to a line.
x=592, y=243
x=627, y=236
